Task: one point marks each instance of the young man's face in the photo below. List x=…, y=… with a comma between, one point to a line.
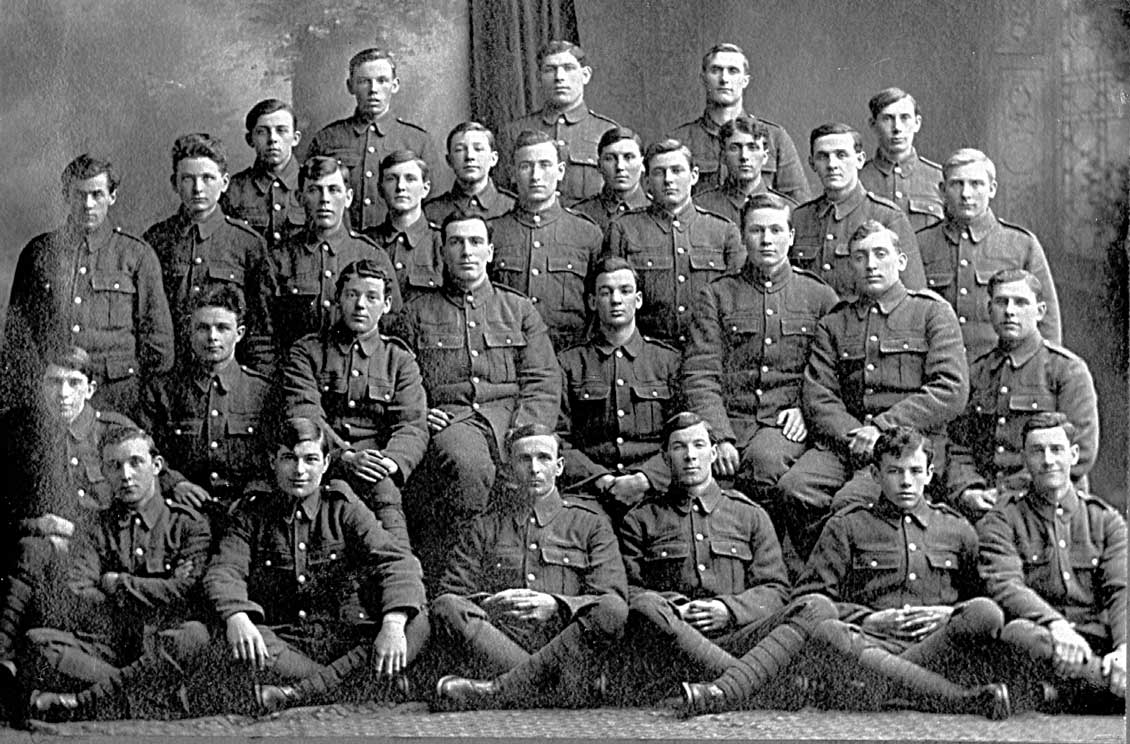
x=536, y=464
x=214, y=334
x=89, y=201
x=621, y=164
x=1049, y=456
x=1015, y=312
x=65, y=392
x=967, y=191
x=836, y=161
x=403, y=187
x=616, y=298
x=274, y=138
x=131, y=470
x=539, y=171
x=563, y=79
x=362, y=302
x=895, y=127
x=299, y=471
x=466, y=252
x=199, y=183
x=690, y=455
x=768, y=237
x=373, y=84
x=725, y=78
x=877, y=263
x=325, y=201
x=744, y=156
x=471, y=156
x=671, y=179
x=903, y=479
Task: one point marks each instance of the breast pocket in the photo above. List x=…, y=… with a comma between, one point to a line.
x=650, y=401
x=709, y=259
x=662, y=564
x=731, y=557
x=743, y=335
x=875, y=570
x=929, y=208
x=227, y=272
x=567, y=274
x=805, y=253
x=502, y=349
x=796, y=338
x=902, y=362
x=589, y=392
x=564, y=568
x=113, y=300
x=1031, y=403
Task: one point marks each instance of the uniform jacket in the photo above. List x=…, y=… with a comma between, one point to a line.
x=606, y=206
x=580, y=128
x=492, y=202
x=416, y=253
x=728, y=200
x=914, y=185
x=271, y=204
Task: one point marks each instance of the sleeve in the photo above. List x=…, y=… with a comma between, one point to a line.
x=766, y=580
x=225, y=581
x=631, y=551
x=1112, y=566
x=164, y=593
x=153, y=322
x=301, y=396
x=733, y=250
x=1051, y=326
x=396, y=577
x=463, y=574
x=605, y=574
x=1002, y=571
x=539, y=379
x=821, y=399
x=702, y=370
x=578, y=465
x=827, y=569
x=84, y=572
x=21, y=362
x=409, y=417
x=914, y=275
x=1076, y=398
x=961, y=467
x=615, y=241
x=790, y=179
x=968, y=582
x=260, y=294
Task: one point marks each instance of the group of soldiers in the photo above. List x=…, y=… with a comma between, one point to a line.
x=655, y=425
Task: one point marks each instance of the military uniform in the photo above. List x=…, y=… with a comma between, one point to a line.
x=728, y=200
x=959, y=261
x=581, y=129
x=782, y=170
x=606, y=206
x=823, y=236
x=676, y=255
x=307, y=268
x=546, y=256
x=272, y=204
x=492, y=202
x=219, y=251
x=101, y=292
x=360, y=143
x=416, y=254
x=914, y=185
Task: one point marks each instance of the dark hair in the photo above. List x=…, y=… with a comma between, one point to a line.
x=264, y=107
x=73, y=358
x=221, y=295
x=724, y=47
x=1006, y=276
x=200, y=145
x=872, y=227
x=460, y=216
x=899, y=441
x=557, y=46
x=366, y=268
x=1048, y=420
x=299, y=429
x=765, y=201
x=469, y=126
x=320, y=166
x=616, y=134
x=665, y=146
x=886, y=97
x=120, y=434
x=87, y=166
x=396, y=157
x=835, y=127
x=532, y=430
x=372, y=54
x=607, y=265
x=745, y=124
x=531, y=137
x=685, y=420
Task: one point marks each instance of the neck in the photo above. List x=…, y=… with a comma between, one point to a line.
x=896, y=157
x=139, y=505
x=721, y=113
x=562, y=108
x=405, y=220
x=329, y=232
x=618, y=335
x=276, y=170
x=838, y=195
x=538, y=206
x=198, y=217
x=215, y=368
x=473, y=188
x=678, y=207
x=700, y=489
x=747, y=185
x=465, y=286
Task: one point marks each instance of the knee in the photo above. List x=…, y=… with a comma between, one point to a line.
x=812, y=609
x=978, y=617
x=1026, y=634
x=836, y=635
x=651, y=608
x=185, y=642
x=608, y=616
x=453, y=613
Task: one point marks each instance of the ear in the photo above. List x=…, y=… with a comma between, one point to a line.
x=348, y=197
x=992, y=188
x=1074, y=454
x=247, y=138
x=559, y=466
x=91, y=387
x=493, y=159
x=158, y=464
x=226, y=181
x=1041, y=311
x=297, y=136
x=860, y=158
x=811, y=163
x=694, y=175
x=590, y=302
x=240, y=332
x=792, y=236
x=902, y=262
x=929, y=473
x=586, y=75
x=387, y=306
x=349, y=85
x=639, y=299
x=395, y=87
x=427, y=190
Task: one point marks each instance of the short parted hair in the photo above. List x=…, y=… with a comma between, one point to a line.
x=120, y=434
x=469, y=126
x=532, y=430
x=745, y=124
x=665, y=146
x=371, y=54
x=1048, y=420
x=72, y=358
x=319, y=167
x=900, y=441
x=766, y=201
x=886, y=97
x=873, y=227
x=366, y=268
x=222, y=295
x=968, y=156
x=724, y=47
x=264, y=107
x=616, y=134
x=396, y=157
x=87, y=166
x=1006, y=276
x=835, y=127
x=531, y=137
x=557, y=46
x=685, y=420
x=298, y=429
x=460, y=216
x=607, y=265
x=200, y=145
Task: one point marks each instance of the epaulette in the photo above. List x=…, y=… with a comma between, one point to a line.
x=931, y=163
x=711, y=213
x=252, y=372
x=188, y=509
x=505, y=192
x=587, y=504
x=881, y=200
x=580, y=215
x=661, y=342
x=242, y=225
x=711, y=190
x=340, y=489
x=613, y=122
x=131, y=236
x=767, y=122
x=809, y=274
x=256, y=494
x=364, y=238
x=110, y=418
x=853, y=508
x=810, y=201
x=1092, y=499
x=433, y=226
x=1063, y=351
x=736, y=495
x=927, y=293
x=781, y=195
x=1014, y=226
x=947, y=509
x=510, y=290
x=841, y=304
x=398, y=341
x=637, y=210
x=412, y=124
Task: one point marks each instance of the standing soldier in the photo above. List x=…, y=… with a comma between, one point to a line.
x=620, y=152
x=407, y=236
x=745, y=146
x=472, y=156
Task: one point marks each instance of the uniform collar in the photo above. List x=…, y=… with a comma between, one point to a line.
x=1046, y=505
x=920, y=514
x=308, y=506
x=707, y=500
x=545, y=217
x=978, y=227
x=572, y=115
x=487, y=198
x=632, y=348
x=887, y=302
x=679, y=221
x=264, y=179
x=547, y=507
x=733, y=192
x=844, y=208
x=150, y=512
x=773, y=282
x=226, y=378
x=360, y=122
x=79, y=429
x=210, y=224
x=712, y=128
x=416, y=234
x=96, y=239
x=458, y=295
x=611, y=200
x=345, y=340
x=1023, y=352
x=886, y=165
x=334, y=241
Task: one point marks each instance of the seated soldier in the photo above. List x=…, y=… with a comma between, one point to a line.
x=366, y=389
x=617, y=390
x=1054, y=557
x=472, y=156
x=137, y=582
x=309, y=585
x=620, y=154
x=706, y=581
x=533, y=596
x=903, y=574
x=744, y=150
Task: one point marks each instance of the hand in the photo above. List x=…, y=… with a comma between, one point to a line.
x=910, y=623
x=1070, y=650
x=792, y=425
x=246, y=641
x=604, y=482
x=187, y=492
x=50, y=524
x=977, y=500
x=438, y=420
x=109, y=582
x=369, y=464
x=1114, y=669
x=728, y=459
x=707, y=615
x=629, y=489
x=390, y=648
x=863, y=440
x=522, y=604
x=184, y=570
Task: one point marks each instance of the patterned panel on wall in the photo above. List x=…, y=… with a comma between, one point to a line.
x=1019, y=148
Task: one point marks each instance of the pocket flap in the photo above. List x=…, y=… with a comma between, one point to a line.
x=905, y=345
x=651, y=261
x=875, y=560
x=566, y=264
x=592, y=390
x=943, y=560
x=651, y=391
x=732, y=548
x=242, y=425
x=925, y=206
x=707, y=258
x=667, y=550
x=504, y=339
x=1031, y=402
x=230, y=273
x=937, y=281
x=798, y=326
x=560, y=556
x=381, y=390
x=113, y=282
x=806, y=249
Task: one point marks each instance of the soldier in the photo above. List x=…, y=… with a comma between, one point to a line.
x=564, y=72
x=89, y=285
x=472, y=156
x=898, y=172
x=676, y=246
x=824, y=226
x=1054, y=557
x=618, y=388
x=706, y=580
x=534, y=593
x=305, y=573
x=750, y=336
x=361, y=141
x=541, y=249
x=366, y=389
x=1024, y=375
x=745, y=146
x=903, y=574
x=891, y=357
x=307, y=263
x=620, y=152
x=201, y=247
x=963, y=252
x=725, y=76
x=266, y=194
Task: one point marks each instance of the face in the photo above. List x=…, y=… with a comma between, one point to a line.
x=199, y=183
x=467, y=251
x=373, y=84
x=895, y=127
x=836, y=161
x=326, y=200
x=725, y=78
x=274, y=137
x=403, y=187
x=363, y=302
x=1015, y=312
x=877, y=263
x=299, y=471
x=66, y=391
x=563, y=79
x=903, y=480
x=471, y=156
x=616, y=298
x=621, y=165
x=690, y=455
x=536, y=464
x=744, y=156
x=968, y=189
x=539, y=171
x=1049, y=456
x=131, y=471
x=767, y=238
x=671, y=179
x=90, y=201
x=215, y=332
